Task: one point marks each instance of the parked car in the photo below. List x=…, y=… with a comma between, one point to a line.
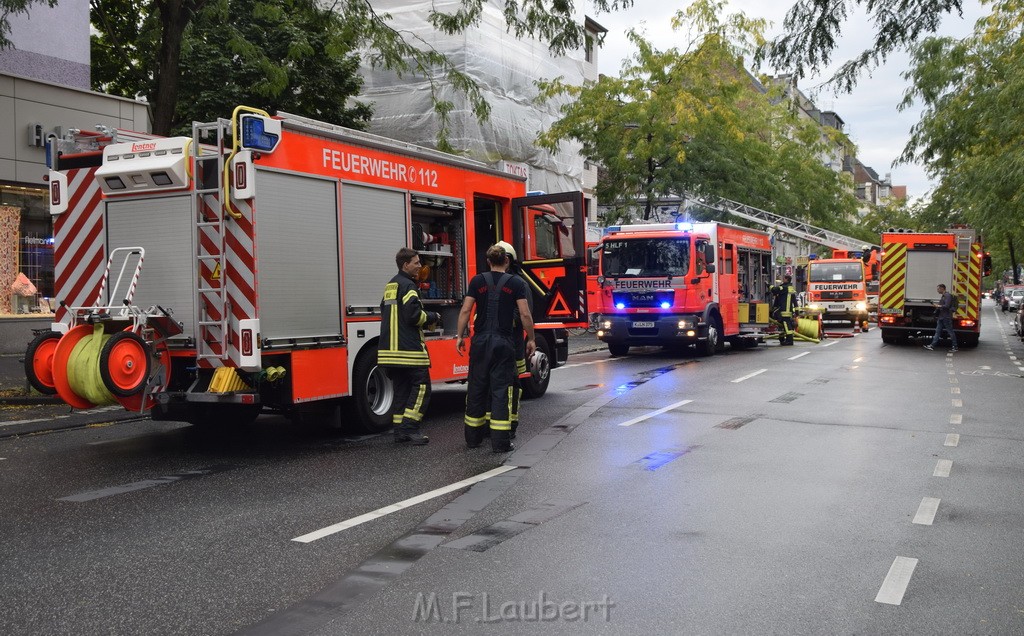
x=1014, y=299
x=1007, y=294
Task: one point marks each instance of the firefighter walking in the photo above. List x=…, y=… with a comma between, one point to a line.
x=492, y=355
x=783, y=304
x=402, y=350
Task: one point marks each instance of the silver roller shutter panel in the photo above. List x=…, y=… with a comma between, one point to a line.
x=297, y=277
x=164, y=228
x=373, y=229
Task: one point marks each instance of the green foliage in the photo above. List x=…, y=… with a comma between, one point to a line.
x=812, y=30
x=16, y=7
x=292, y=54
x=970, y=137
x=694, y=121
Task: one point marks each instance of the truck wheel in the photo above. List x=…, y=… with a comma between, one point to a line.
x=710, y=345
x=537, y=384
x=39, y=362
x=373, y=395
x=618, y=349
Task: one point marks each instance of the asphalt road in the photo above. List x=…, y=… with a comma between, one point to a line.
x=843, y=487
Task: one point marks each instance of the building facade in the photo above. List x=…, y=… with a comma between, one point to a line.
x=44, y=92
x=506, y=69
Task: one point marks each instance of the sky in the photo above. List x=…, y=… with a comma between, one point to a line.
x=870, y=112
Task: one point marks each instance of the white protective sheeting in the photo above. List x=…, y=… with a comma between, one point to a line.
x=506, y=70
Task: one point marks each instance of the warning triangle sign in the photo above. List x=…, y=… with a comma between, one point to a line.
x=216, y=273
x=558, y=306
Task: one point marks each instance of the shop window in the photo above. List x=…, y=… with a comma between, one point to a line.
x=26, y=233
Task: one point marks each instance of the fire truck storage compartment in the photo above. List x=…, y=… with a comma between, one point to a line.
x=925, y=270
x=437, y=231
x=162, y=226
x=296, y=221
x=373, y=227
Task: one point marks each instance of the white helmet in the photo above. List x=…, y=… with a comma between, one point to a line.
x=511, y=251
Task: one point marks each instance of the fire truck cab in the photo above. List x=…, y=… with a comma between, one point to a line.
x=681, y=284
x=205, y=278
x=836, y=289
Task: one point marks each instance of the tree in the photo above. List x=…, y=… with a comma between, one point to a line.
x=16, y=7
x=695, y=121
x=812, y=30
x=164, y=25
x=970, y=137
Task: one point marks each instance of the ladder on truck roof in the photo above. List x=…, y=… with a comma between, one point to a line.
x=770, y=220
x=211, y=300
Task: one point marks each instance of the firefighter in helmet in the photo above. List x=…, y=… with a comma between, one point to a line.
x=520, y=341
x=496, y=294
x=402, y=350
x=783, y=296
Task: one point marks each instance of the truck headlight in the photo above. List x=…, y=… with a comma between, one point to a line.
x=862, y=306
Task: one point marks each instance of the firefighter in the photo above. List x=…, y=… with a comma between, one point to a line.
x=520, y=341
x=496, y=294
x=783, y=304
x=401, y=349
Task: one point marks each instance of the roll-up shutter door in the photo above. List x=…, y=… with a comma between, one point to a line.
x=373, y=229
x=164, y=228
x=297, y=274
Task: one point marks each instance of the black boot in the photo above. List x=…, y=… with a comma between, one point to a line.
x=501, y=441
x=474, y=435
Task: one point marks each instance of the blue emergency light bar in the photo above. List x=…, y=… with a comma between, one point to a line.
x=259, y=133
x=684, y=227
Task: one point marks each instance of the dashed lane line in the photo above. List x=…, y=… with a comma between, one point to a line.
x=748, y=376
x=926, y=511
x=896, y=581
x=952, y=439
x=800, y=355
x=401, y=505
x=648, y=416
x=943, y=467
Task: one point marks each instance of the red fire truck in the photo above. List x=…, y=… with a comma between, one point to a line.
x=913, y=264
x=679, y=284
x=207, y=277
x=836, y=289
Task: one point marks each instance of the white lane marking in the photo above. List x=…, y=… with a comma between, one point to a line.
x=834, y=342
x=942, y=468
x=860, y=359
x=800, y=355
x=958, y=403
x=956, y=418
x=955, y=390
x=401, y=505
x=583, y=364
x=748, y=376
x=653, y=413
x=985, y=367
x=45, y=419
x=926, y=511
x=895, y=584
x=952, y=439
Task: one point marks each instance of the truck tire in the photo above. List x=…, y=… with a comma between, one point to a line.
x=618, y=349
x=712, y=343
x=39, y=362
x=888, y=337
x=537, y=384
x=373, y=395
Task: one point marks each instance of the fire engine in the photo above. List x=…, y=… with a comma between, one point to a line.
x=205, y=278
x=836, y=288
x=913, y=264
x=675, y=284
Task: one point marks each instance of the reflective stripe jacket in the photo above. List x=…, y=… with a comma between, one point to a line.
x=401, y=325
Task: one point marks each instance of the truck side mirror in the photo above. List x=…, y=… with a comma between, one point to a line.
x=709, y=267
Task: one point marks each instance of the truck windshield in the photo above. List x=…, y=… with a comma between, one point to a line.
x=831, y=272
x=649, y=257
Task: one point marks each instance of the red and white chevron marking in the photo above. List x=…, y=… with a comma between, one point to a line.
x=78, y=245
x=209, y=245
x=240, y=252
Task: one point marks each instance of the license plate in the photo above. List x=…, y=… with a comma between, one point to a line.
x=643, y=324
x=837, y=307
